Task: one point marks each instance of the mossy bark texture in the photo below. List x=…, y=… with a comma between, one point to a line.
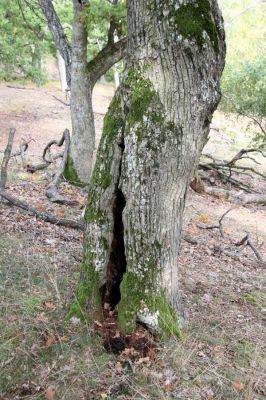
x=154, y=132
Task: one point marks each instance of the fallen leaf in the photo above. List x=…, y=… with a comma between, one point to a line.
x=39, y=207
x=61, y=213
x=64, y=338
x=203, y=218
x=49, y=305
x=142, y=360
x=50, y=393
x=51, y=339
x=167, y=384
x=238, y=385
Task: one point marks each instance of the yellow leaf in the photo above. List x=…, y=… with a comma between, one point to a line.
x=203, y=218
x=61, y=213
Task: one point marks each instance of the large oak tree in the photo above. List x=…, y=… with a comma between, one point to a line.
x=153, y=135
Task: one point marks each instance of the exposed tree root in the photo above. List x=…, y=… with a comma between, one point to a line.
x=45, y=216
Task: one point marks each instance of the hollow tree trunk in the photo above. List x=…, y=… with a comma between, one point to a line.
x=154, y=132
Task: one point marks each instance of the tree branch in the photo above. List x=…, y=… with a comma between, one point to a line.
x=58, y=34
x=106, y=58
x=45, y=216
x=7, y=155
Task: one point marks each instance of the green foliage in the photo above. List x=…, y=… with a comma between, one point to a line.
x=244, y=79
x=23, y=41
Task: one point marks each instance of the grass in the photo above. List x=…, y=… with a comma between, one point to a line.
x=34, y=300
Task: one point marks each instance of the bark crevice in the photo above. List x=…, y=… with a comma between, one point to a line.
x=116, y=267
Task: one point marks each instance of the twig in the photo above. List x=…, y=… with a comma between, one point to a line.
x=7, y=155
x=247, y=242
x=61, y=101
x=220, y=226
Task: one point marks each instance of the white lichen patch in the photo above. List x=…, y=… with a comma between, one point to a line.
x=150, y=319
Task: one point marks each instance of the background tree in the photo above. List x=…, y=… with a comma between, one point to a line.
x=83, y=74
x=23, y=42
x=244, y=77
x=154, y=132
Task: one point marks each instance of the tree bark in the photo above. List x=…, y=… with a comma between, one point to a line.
x=62, y=71
x=81, y=77
x=154, y=132
x=59, y=36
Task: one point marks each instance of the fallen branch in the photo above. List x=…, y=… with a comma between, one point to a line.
x=51, y=191
x=61, y=101
x=220, y=226
x=45, y=216
x=7, y=155
x=247, y=242
x=225, y=169
x=216, y=248
x=239, y=197
x=41, y=166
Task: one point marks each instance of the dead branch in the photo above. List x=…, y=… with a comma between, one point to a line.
x=61, y=101
x=51, y=191
x=45, y=216
x=7, y=155
x=41, y=166
x=216, y=248
x=239, y=197
x=220, y=225
x=20, y=87
x=247, y=242
x=58, y=143
x=225, y=169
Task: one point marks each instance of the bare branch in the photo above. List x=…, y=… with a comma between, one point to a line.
x=7, y=155
x=58, y=34
x=106, y=58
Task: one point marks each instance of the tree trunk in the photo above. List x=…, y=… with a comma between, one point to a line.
x=62, y=71
x=81, y=77
x=154, y=132
x=82, y=145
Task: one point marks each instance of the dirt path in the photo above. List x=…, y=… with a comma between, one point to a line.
x=36, y=113
x=221, y=353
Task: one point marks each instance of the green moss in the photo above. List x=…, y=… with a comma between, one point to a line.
x=70, y=173
x=255, y=299
x=191, y=20
x=137, y=294
x=141, y=97
x=87, y=294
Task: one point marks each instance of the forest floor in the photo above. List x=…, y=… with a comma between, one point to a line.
x=221, y=354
